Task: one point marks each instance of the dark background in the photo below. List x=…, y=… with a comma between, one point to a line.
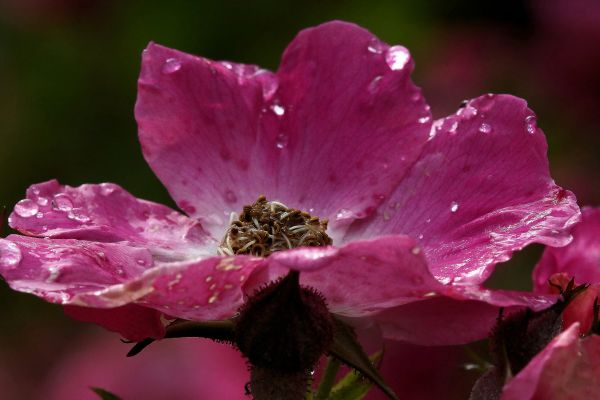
x=68, y=73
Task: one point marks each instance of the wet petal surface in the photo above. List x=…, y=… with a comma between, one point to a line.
x=480, y=190
x=332, y=133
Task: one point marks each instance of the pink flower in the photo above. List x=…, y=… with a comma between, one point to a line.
x=420, y=211
x=184, y=369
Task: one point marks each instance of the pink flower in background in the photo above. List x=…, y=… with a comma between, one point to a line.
x=184, y=369
x=420, y=211
x=579, y=260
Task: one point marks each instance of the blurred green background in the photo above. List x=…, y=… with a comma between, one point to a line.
x=68, y=71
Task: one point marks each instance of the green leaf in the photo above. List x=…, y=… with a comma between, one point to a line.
x=105, y=394
x=353, y=386
x=346, y=348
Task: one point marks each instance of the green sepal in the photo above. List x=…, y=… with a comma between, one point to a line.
x=348, y=350
x=105, y=394
x=354, y=386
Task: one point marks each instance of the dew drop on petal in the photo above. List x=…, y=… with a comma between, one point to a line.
x=171, y=65
x=343, y=214
x=453, y=127
x=278, y=109
x=375, y=46
x=281, y=141
x=42, y=201
x=424, y=119
x=397, y=57
x=485, y=128
x=531, y=124
x=416, y=250
x=26, y=208
x=39, y=215
x=78, y=216
x=10, y=255
x=63, y=202
x=375, y=84
x=453, y=206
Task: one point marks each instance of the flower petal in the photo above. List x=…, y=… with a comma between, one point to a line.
x=580, y=259
x=456, y=315
x=108, y=275
x=480, y=190
x=363, y=277
x=332, y=133
x=209, y=289
x=133, y=322
x=66, y=270
x=568, y=368
x=108, y=213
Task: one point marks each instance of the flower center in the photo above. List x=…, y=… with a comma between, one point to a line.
x=268, y=226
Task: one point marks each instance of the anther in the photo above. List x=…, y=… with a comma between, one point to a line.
x=265, y=227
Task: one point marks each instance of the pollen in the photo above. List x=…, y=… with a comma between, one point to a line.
x=268, y=226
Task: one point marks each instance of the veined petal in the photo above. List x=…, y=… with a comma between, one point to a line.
x=332, y=133
x=480, y=190
x=109, y=275
x=108, y=213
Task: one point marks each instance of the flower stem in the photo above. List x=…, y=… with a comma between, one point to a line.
x=333, y=365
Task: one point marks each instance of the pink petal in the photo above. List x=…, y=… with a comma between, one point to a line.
x=133, y=322
x=209, y=289
x=456, y=315
x=580, y=259
x=363, y=277
x=568, y=368
x=108, y=213
x=480, y=190
x=69, y=271
x=108, y=275
x=332, y=133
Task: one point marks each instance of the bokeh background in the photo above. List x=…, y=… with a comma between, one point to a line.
x=68, y=71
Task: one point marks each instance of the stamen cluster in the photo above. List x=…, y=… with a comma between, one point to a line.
x=268, y=226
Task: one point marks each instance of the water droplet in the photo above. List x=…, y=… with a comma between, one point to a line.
x=230, y=197
x=453, y=206
x=78, y=216
x=278, y=109
x=485, y=128
x=424, y=119
x=213, y=298
x=420, y=236
x=374, y=84
x=141, y=261
x=453, y=127
x=42, y=201
x=171, y=65
x=397, y=57
x=10, y=255
x=416, y=250
x=343, y=214
x=39, y=215
x=281, y=141
x=54, y=271
x=376, y=46
x=63, y=202
x=106, y=189
x=26, y=208
x=101, y=255
x=531, y=124
x=227, y=64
